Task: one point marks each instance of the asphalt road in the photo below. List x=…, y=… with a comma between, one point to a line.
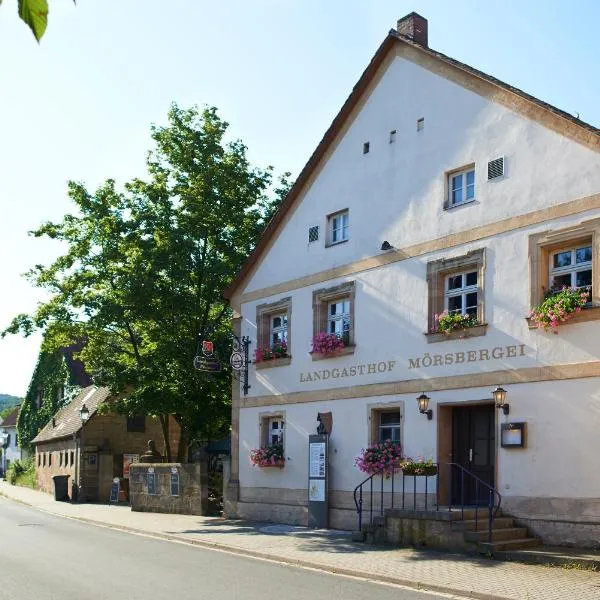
x=43, y=557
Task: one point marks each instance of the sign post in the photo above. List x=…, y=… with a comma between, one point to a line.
x=318, y=485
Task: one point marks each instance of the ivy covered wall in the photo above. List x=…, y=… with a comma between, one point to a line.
x=56, y=380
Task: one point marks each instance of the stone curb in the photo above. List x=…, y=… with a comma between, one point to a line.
x=415, y=585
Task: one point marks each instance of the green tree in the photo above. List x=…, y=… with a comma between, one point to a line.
x=143, y=272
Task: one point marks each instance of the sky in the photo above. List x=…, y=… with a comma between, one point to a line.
x=79, y=105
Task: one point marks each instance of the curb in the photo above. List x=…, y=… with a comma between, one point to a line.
x=370, y=577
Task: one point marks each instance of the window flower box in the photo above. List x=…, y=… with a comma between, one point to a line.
x=557, y=308
x=449, y=322
x=383, y=457
x=419, y=468
x=325, y=345
x=268, y=456
x=268, y=353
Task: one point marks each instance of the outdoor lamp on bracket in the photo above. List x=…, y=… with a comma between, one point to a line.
x=84, y=413
x=423, y=402
x=386, y=246
x=499, y=395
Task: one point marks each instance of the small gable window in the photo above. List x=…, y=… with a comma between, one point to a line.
x=338, y=227
x=461, y=187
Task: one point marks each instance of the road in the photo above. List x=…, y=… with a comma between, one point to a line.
x=44, y=557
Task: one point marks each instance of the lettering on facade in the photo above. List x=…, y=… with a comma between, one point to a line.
x=455, y=358
x=425, y=361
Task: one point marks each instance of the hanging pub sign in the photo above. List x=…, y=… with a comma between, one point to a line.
x=207, y=362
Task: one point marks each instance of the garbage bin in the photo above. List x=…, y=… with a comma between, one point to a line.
x=61, y=487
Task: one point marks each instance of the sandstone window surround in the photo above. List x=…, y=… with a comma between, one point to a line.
x=543, y=246
x=437, y=275
x=264, y=329
x=323, y=301
x=271, y=428
x=459, y=185
x=384, y=419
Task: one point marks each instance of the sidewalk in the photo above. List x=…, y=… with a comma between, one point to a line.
x=335, y=552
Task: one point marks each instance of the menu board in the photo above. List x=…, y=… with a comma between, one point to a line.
x=317, y=460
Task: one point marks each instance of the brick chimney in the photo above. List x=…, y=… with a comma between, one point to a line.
x=414, y=27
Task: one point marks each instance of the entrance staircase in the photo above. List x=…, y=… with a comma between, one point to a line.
x=414, y=518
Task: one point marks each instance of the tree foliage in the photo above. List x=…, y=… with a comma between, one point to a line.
x=144, y=269
x=35, y=14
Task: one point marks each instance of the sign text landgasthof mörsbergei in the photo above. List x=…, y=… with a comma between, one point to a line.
x=425, y=361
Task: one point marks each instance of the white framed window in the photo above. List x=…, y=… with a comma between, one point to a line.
x=461, y=293
x=339, y=319
x=389, y=425
x=275, y=431
x=571, y=267
x=339, y=227
x=279, y=328
x=461, y=187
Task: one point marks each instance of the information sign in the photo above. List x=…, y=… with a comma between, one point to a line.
x=114, y=490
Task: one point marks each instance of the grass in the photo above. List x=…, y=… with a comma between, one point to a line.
x=22, y=473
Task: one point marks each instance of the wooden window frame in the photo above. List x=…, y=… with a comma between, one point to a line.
x=264, y=314
x=542, y=245
x=321, y=300
x=437, y=272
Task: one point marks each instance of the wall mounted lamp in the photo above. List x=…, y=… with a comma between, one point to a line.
x=499, y=395
x=423, y=402
x=386, y=246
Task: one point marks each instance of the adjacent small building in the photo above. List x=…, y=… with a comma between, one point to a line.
x=93, y=453
x=12, y=451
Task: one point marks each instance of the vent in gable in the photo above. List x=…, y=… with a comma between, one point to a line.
x=313, y=234
x=496, y=168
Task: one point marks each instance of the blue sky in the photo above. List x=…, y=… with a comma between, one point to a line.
x=79, y=105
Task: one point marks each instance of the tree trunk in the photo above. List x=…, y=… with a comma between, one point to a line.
x=164, y=423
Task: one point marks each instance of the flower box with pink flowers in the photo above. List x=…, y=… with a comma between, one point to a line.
x=268, y=456
x=327, y=344
x=558, y=307
x=384, y=457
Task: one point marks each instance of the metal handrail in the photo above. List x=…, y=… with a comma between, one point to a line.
x=493, y=494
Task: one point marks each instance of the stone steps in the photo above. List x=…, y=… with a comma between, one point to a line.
x=498, y=534
x=482, y=524
x=506, y=545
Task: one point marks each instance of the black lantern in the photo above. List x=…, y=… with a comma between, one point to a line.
x=499, y=395
x=84, y=413
x=423, y=402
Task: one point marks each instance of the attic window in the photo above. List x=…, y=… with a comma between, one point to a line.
x=366, y=148
x=313, y=234
x=421, y=124
x=392, y=136
x=496, y=168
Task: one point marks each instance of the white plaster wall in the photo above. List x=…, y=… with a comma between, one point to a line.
x=13, y=452
x=560, y=459
x=396, y=191
x=391, y=318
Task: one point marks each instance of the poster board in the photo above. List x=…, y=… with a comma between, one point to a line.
x=174, y=481
x=128, y=460
x=318, y=505
x=114, y=490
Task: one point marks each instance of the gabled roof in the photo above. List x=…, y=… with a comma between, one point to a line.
x=11, y=419
x=586, y=133
x=67, y=421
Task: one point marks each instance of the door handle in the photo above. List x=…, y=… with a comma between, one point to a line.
x=470, y=454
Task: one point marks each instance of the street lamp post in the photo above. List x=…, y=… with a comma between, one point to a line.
x=84, y=415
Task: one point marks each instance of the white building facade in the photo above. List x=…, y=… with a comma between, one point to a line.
x=485, y=198
x=12, y=451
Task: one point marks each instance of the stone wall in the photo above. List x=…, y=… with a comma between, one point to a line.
x=192, y=498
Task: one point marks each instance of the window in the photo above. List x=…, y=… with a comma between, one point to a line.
x=461, y=187
x=366, y=148
x=338, y=227
x=571, y=267
x=49, y=459
x=60, y=459
x=39, y=459
x=339, y=318
x=8, y=439
x=43, y=459
x=421, y=124
x=136, y=424
x=272, y=427
x=313, y=234
x=72, y=458
x=275, y=431
x=333, y=312
x=279, y=325
x=389, y=426
x=457, y=285
x=461, y=293
x=274, y=326
x=566, y=257
x=392, y=136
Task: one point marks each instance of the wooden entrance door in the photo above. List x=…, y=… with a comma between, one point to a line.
x=90, y=476
x=474, y=448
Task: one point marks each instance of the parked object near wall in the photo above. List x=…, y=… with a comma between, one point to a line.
x=175, y=488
